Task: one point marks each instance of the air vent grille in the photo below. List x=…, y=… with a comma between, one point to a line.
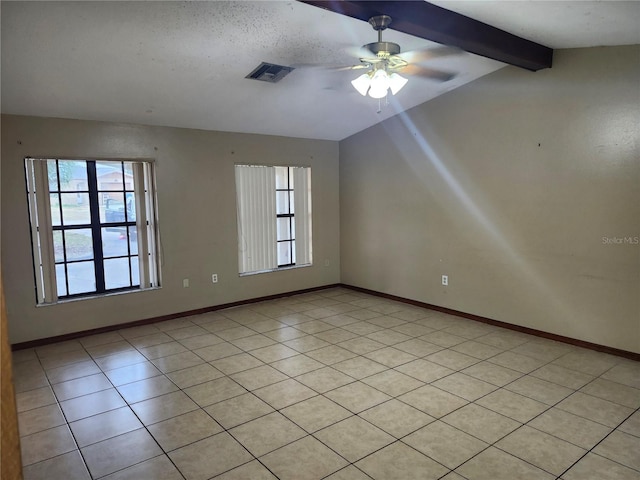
x=269, y=72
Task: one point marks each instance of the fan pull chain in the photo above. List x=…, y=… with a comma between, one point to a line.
x=386, y=103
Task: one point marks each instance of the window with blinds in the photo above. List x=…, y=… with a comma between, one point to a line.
x=93, y=227
x=274, y=217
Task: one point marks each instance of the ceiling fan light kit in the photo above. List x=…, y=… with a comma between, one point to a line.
x=382, y=75
x=378, y=82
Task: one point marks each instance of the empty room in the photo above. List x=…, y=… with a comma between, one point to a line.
x=334, y=240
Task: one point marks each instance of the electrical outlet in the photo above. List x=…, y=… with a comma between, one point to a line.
x=214, y=278
x=445, y=280
x=185, y=283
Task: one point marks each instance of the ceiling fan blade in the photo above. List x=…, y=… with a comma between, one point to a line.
x=309, y=65
x=363, y=54
x=349, y=67
x=325, y=66
x=359, y=52
x=430, y=73
x=421, y=55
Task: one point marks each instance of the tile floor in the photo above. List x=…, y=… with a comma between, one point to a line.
x=333, y=384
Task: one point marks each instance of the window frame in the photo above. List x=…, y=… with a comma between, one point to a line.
x=39, y=195
x=290, y=216
x=255, y=201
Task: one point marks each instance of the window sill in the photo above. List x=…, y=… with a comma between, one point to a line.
x=92, y=297
x=280, y=269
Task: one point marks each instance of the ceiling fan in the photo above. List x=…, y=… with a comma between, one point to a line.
x=383, y=61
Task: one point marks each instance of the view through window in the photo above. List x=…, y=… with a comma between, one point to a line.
x=93, y=226
x=285, y=213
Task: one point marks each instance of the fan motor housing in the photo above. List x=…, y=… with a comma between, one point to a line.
x=382, y=49
x=380, y=22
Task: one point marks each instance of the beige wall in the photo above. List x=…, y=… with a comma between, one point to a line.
x=508, y=185
x=196, y=204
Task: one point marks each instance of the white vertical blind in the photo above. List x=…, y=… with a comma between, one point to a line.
x=256, y=204
x=152, y=248
x=41, y=232
x=302, y=204
x=145, y=224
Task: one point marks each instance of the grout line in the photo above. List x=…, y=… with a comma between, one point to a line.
x=602, y=440
x=248, y=324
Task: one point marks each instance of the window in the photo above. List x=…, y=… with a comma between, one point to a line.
x=274, y=217
x=93, y=227
x=285, y=214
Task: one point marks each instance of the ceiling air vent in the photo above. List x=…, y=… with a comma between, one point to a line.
x=269, y=72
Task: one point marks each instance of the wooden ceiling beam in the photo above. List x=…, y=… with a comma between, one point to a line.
x=431, y=22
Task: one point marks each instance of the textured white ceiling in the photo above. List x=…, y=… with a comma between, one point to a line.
x=183, y=63
x=558, y=24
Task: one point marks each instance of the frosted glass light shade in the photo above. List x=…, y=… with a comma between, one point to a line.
x=362, y=84
x=379, y=84
x=396, y=82
x=377, y=92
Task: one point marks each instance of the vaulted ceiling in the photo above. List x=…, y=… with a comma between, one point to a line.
x=184, y=64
